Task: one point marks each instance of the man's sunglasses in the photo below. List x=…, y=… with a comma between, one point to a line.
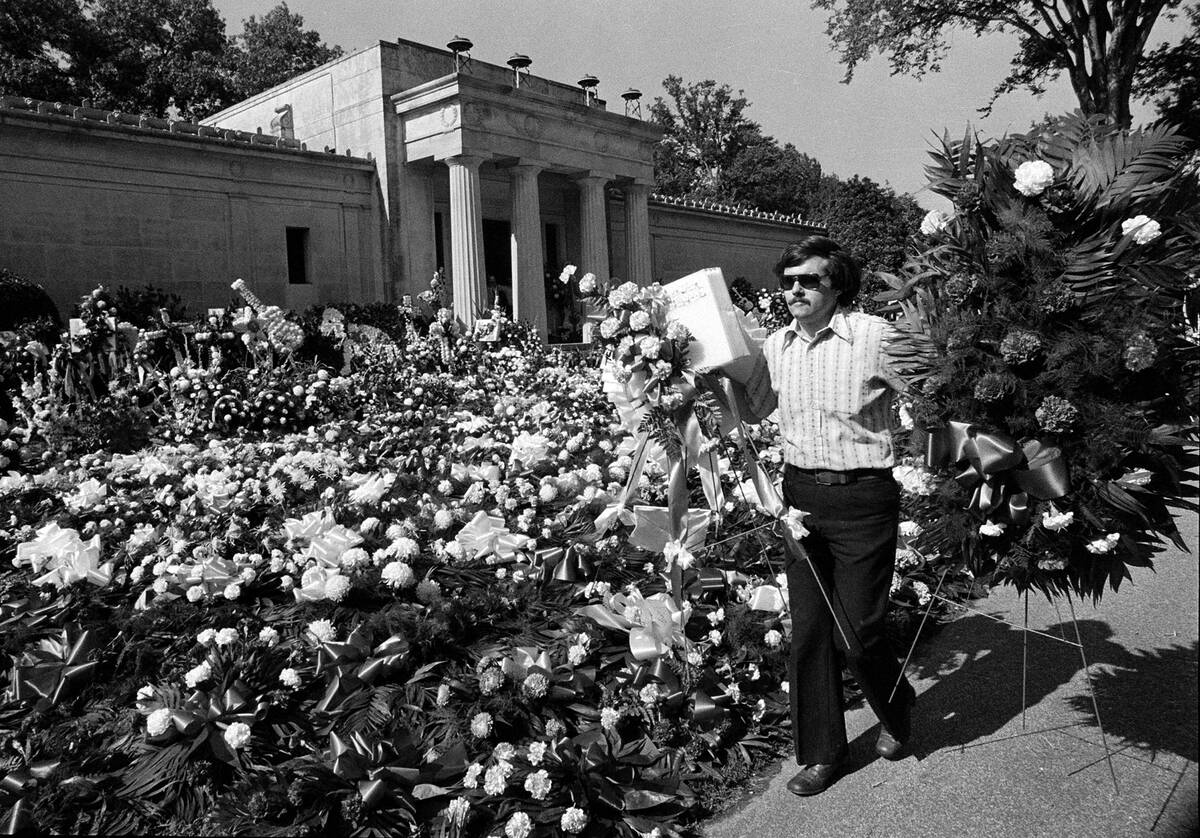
x=809, y=282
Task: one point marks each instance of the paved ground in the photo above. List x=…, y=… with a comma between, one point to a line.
x=980, y=769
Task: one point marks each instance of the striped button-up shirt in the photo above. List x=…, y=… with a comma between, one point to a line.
x=833, y=392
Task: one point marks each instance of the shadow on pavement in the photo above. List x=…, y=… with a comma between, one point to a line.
x=1147, y=698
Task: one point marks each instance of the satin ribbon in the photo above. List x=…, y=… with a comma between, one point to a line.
x=526, y=659
x=564, y=564
x=310, y=526
x=369, y=766
x=711, y=581
x=65, y=557
x=486, y=535
x=471, y=473
x=1001, y=474
x=55, y=668
x=352, y=664
x=30, y=772
x=328, y=547
x=212, y=574
x=30, y=612
x=658, y=627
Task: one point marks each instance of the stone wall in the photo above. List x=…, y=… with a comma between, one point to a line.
x=91, y=199
x=686, y=236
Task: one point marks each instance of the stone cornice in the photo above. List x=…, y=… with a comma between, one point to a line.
x=74, y=116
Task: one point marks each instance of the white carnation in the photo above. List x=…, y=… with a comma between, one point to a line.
x=538, y=784
x=237, y=735
x=992, y=529
x=1033, y=177
x=1144, y=228
x=199, y=673
x=518, y=826
x=289, y=678
x=226, y=636
x=481, y=725
x=158, y=722
x=1056, y=521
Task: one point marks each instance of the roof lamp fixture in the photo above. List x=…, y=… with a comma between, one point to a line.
x=633, y=102
x=519, y=63
x=588, y=83
x=461, y=47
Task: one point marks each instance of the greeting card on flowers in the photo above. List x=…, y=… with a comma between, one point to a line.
x=701, y=302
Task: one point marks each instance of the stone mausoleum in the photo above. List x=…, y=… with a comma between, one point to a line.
x=357, y=181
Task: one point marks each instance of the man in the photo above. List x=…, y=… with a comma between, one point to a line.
x=830, y=377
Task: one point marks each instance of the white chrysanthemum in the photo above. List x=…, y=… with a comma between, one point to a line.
x=496, y=778
x=537, y=752
x=398, y=575
x=535, y=684
x=1144, y=228
x=910, y=529
x=922, y=592
x=227, y=636
x=1033, y=177
x=609, y=716
x=198, y=673
x=481, y=725
x=538, y=784
x=471, y=778
x=353, y=558
x=405, y=548
x=232, y=591
x=237, y=735
x=442, y=519
x=269, y=636
x=336, y=587
x=158, y=722
x=934, y=222
x=519, y=825
x=576, y=655
x=573, y=820
x=773, y=638
x=290, y=678
x=206, y=637
x=322, y=630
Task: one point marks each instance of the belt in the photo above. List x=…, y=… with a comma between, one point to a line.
x=839, y=478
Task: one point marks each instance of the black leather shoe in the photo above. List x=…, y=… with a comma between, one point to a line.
x=814, y=779
x=891, y=742
x=888, y=746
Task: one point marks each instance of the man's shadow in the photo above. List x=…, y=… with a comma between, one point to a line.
x=1145, y=698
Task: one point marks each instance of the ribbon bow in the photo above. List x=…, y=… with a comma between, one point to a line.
x=1001, y=473
x=564, y=564
x=310, y=526
x=328, y=547
x=369, y=766
x=352, y=664
x=65, y=557
x=56, y=667
x=486, y=535
x=654, y=623
x=471, y=473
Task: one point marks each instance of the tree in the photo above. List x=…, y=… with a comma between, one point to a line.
x=37, y=39
x=140, y=54
x=773, y=178
x=871, y=221
x=1170, y=78
x=274, y=49
x=1097, y=44
x=704, y=130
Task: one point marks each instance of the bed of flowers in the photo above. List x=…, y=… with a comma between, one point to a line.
x=245, y=591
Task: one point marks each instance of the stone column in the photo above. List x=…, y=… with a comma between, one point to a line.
x=529, y=291
x=469, y=285
x=637, y=233
x=594, y=223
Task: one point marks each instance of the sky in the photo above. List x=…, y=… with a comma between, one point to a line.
x=776, y=51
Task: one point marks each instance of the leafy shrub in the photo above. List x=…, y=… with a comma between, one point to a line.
x=23, y=302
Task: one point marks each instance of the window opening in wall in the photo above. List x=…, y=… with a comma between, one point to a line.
x=297, y=255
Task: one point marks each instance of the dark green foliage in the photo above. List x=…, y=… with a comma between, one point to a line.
x=1057, y=318
x=143, y=307
x=23, y=303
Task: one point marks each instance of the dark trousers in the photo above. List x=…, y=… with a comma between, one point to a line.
x=852, y=544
